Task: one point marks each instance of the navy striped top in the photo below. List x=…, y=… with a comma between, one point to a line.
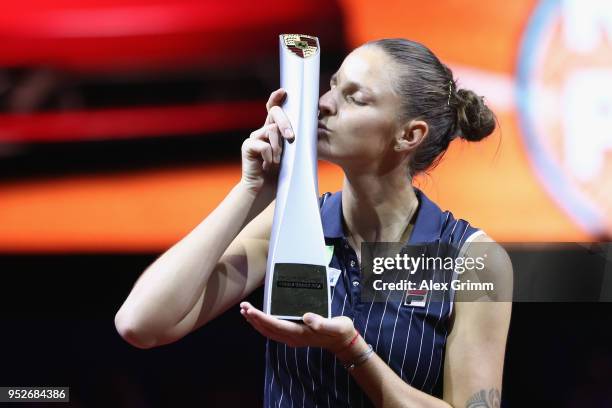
x=409, y=337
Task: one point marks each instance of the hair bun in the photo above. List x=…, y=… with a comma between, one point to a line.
x=474, y=119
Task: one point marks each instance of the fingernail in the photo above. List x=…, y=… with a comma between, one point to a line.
x=289, y=133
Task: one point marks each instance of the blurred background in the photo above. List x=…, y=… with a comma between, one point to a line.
x=120, y=130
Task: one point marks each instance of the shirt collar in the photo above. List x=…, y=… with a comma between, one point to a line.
x=426, y=228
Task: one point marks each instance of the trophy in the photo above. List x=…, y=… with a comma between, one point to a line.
x=296, y=274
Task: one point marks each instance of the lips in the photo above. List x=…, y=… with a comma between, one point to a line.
x=322, y=126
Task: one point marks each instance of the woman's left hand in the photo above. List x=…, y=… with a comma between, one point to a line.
x=317, y=331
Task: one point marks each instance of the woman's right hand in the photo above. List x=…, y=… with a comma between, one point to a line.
x=261, y=151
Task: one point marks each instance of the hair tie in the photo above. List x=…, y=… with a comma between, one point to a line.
x=450, y=83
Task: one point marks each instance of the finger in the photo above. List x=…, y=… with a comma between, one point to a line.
x=270, y=331
x=262, y=132
x=260, y=148
x=245, y=305
x=320, y=324
x=275, y=98
x=282, y=327
x=269, y=119
x=261, y=329
x=276, y=142
x=278, y=325
x=281, y=119
x=270, y=134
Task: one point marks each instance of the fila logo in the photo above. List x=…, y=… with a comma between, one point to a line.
x=416, y=298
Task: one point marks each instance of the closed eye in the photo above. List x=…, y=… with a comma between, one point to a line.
x=350, y=98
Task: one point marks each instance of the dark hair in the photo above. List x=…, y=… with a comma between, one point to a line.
x=429, y=92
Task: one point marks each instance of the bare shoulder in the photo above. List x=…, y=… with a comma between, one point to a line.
x=496, y=268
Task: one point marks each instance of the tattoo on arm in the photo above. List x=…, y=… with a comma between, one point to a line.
x=484, y=399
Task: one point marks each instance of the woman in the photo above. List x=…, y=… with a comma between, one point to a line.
x=391, y=112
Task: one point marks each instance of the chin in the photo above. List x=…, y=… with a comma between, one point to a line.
x=322, y=156
x=326, y=158
x=324, y=151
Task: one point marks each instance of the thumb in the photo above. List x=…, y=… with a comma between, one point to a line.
x=320, y=324
x=312, y=320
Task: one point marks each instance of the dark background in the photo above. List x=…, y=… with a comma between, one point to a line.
x=57, y=316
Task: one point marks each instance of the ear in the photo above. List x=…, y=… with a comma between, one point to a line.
x=411, y=135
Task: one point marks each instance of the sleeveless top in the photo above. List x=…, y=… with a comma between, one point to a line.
x=409, y=336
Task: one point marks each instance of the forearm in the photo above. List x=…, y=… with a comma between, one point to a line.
x=171, y=286
x=383, y=386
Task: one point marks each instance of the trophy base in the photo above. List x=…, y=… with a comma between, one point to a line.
x=298, y=289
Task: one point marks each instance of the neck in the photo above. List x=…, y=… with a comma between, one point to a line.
x=377, y=208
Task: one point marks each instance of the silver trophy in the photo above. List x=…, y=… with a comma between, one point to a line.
x=296, y=274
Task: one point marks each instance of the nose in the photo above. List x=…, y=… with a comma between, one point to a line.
x=326, y=105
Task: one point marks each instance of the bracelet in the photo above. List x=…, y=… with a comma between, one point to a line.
x=354, y=339
x=363, y=357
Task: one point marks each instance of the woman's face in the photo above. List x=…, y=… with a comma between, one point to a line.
x=361, y=112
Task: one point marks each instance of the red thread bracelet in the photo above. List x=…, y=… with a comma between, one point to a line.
x=350, y=344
